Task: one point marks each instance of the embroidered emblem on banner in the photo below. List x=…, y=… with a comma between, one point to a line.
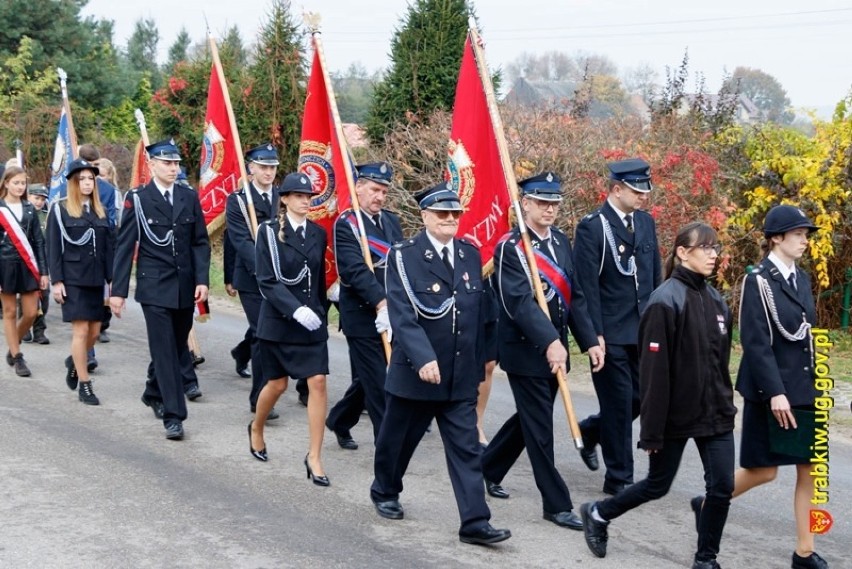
x=315, y=163
x=212, y=154
x=460, y=167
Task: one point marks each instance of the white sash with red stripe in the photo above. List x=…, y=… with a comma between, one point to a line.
x=19, y=239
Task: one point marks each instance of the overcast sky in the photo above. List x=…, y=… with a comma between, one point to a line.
x=805, y=45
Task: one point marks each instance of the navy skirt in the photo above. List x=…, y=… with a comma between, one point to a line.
x=293, y=360
x=83, y=303
x=16, y=278
x=754, y=444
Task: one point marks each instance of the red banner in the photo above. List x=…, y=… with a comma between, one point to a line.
x=321, y=160
x=474, y=165
x=220, y=171
x=139, y=174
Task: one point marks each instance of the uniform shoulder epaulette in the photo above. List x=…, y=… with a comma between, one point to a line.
x=558, y=231
x=403, y=244
x=757, y=269
x=592, y=215
x=346, y=213
x=467, y=242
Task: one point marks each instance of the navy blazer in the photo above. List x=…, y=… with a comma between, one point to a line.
x=361, y=289
x=89, y=264
x=524, y=330
x=453, y=340
x=614, y=301
x=771, y=364
x=165, y=275
x=244, y=274
x=280, y=300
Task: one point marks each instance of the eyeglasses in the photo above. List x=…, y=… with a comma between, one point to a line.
x=706, y=248
x=442, y=213
x=546, y=205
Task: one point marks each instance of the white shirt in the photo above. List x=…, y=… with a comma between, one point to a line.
x=163, y=190
x=17, y=209
x=439, y=248
x=296, y=226
x=782, y=268
x=541, y=239
x=621, y=214
x=267, y=192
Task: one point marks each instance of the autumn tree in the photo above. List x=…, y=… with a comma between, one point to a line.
x=766, y=93
x=426, y=52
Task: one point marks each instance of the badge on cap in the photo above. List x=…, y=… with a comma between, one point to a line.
x=269, y=147
x=550, y=177
x=303, y=180
x=383, y=169
x=436, y=287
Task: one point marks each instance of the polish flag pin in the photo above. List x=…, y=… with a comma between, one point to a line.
x=654, y=347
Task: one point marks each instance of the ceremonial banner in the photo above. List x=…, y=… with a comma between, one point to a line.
x=62, y=153
x=139, y=174
x=321, y=160
x=474, y=166
x=220, y=170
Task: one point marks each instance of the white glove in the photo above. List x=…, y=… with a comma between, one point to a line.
x=383, y=320
x=307, y=318
x=334, y=292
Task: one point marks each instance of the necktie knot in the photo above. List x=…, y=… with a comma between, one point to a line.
x=792, y=280
x=265, y=197
x=300, y=231
x=628, y=222
x=377, y=219
x=168, y=197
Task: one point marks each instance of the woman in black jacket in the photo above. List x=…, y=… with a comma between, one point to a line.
x=292, y=327
x=23, y=270
x=80, y=255
x=686, y=393
x=776, y=375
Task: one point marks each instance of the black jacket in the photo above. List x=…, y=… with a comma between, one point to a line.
x=614, y=300
x=361, y=289
x=772, y=364
x=166, y=275
x=524, y=330
x=685, y=346
x=244, y=274
x=31, y=226
x=89, y=264
x=293, y=258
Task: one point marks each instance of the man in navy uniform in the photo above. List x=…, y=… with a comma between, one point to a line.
x=532, y=346
x=435, y=302
x=262, y=164
x=618, y=266
x=363, y=306
x=172, y=274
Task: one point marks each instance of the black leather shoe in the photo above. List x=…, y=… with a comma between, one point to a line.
x=87, y=394
x=346, y=441
x=92, y=363
x=156, y=406
x=391, y=510
x=567, y=519
x=589, y=455
x=71, y=377
x=812, y=561
x=613, y=488
x=174, y=431
x=197, y=359
x=495, y=490
x=318, y=480
x=303, y=399
x=706, y=565
x=104, y=338
x=28, y=337
x=258, y=454
x=696, y=504
x=40, y=338
x=9, y=359
x=485, y=536
x=192, y=392
x=241, y=364
x=594, y=531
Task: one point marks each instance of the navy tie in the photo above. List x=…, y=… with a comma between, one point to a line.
x=628, y=221
x=792, y=280
x=445, y=256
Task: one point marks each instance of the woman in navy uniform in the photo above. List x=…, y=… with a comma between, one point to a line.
x=776, y=374
x=80, y=257
x=292, y=326
x=20, y=236
x=532, y=346
x=435, y=303
x=686, y=393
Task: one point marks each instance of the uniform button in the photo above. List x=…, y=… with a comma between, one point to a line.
x=455, y=292
x=458, y=353
x=807, y=368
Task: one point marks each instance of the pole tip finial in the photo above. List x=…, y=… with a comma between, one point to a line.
x=312, y=21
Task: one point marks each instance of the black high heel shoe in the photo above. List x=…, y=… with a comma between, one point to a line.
x=258, y=454
x=318, y=480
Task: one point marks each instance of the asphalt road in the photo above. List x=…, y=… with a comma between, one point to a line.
x=101, y=487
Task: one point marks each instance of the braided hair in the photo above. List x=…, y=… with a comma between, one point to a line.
x=282, y=220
